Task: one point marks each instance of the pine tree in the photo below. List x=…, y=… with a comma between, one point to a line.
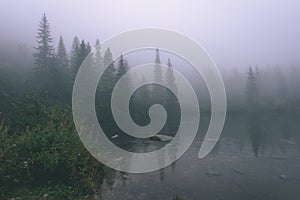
x=105, y=87
x=122, y=68
x=170, y=100
x=44, y=51
x=108, y=60
x=83, y=52
x=128, y=80
x=109, y=77
x=62, y=61
x=157, y=70
x=158, y=93
x=98, y=56
x=75, y=54
x=88, y=48
x=170, y=79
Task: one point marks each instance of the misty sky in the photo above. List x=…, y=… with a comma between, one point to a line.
x=235, y=32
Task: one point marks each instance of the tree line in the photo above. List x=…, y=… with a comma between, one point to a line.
x=269, y=89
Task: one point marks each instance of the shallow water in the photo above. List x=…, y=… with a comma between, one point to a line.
x=254, y=159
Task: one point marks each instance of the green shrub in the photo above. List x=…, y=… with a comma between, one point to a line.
x=48, y=155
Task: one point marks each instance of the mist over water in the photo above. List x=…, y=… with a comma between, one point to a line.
x=236, y=34
x=254, y=45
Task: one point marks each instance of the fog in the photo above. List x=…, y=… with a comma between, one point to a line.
x=235, y=33
x=255, y=44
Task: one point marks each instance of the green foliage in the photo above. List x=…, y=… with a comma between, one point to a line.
x=48, y=155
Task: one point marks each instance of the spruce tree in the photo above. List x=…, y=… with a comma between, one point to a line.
x=44, y=51
x=105, y=86
x=170, y=79
x=98, y=56
x=170, y=99
x=108, y=60
x=158, y=93
x=75, y=54
x=83, y=52
x=62, y=61
x=122, y=68
x=109, y=77
x=88, y=48
x=157, y=70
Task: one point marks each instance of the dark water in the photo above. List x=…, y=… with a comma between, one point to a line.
x=255, y=158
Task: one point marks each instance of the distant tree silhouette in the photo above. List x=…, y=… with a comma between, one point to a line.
x=252, y=91
x=83, y=52
x=106, y=84
x=108, y=79
x=158, y=93
x=157, y=70
x=107, y=59
x=121, y=70
x=122, y=67
x=62, y=60
x=170, y=79
x=47, y=76
x=75, y=51
x=98, y=56
x=44, y=51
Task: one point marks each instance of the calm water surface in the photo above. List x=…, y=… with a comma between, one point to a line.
x=256, y=158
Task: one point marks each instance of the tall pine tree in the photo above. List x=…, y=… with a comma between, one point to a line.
x=83, y=51
x=122, y=67
x=121, y=70
x=62, y=61
x=98, y=56
x=171, y=102
x=170, y=79
x=44, y=51
x=157, y=70
x=158, y=92
x=75, y=54
x=108, y=60
x=105, y=85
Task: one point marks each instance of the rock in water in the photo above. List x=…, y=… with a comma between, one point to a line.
x=114, y=136
x=213, y=173
x=162, y=138
x=238, y=171
x=283, y=177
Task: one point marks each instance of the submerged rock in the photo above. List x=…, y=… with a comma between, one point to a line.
x=238, y=171
x=162, y=138
x=213, y=173
x=283, y=177
x=114, y=136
